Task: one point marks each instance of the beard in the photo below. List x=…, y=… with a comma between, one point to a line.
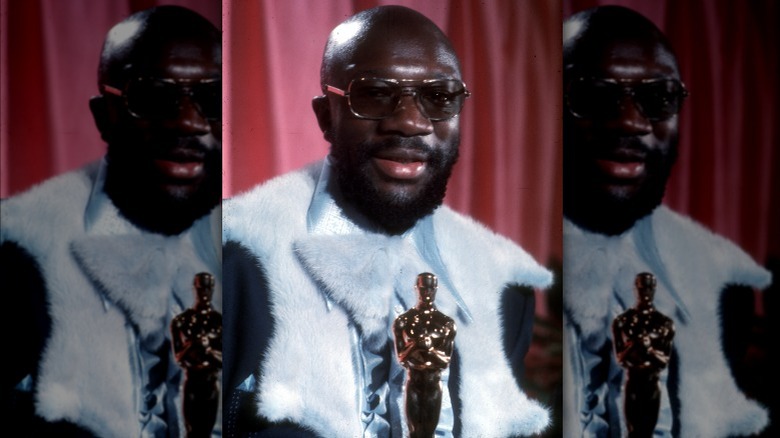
x=395, y=213
x=135, y=188
x=595, y=208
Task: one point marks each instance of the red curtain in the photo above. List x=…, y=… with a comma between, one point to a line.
x=509, y=173
x=49, y=51
x=727, y=173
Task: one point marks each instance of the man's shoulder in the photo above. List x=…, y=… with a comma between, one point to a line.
x=466, y=242
x=56, y=186
x=674, y=228
x=673, y=220
x=55, y=201
x=278, y=190
x=449, y=220
x=276, y=204
x=696, y=247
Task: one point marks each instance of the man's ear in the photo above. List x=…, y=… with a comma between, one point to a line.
x=321, y=107
x=100, y=112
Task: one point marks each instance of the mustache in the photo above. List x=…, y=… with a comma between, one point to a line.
x=622, y=147
x=182, y=149
x=410, y=144
x=185, y=149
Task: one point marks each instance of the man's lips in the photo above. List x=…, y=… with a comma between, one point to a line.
x=622, y=164
x=403, y=164
x=622, y=170
x=177, y=170
x=181, y=165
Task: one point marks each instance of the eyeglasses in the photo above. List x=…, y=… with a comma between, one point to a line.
x=161, y=99
x=656, y=99
x=373, y=98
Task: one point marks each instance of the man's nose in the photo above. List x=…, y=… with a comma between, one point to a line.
x=407, y=119
x=630, y=119
x=190, y=120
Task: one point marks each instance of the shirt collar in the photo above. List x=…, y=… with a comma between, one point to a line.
x=101, y=217
x=325, y=217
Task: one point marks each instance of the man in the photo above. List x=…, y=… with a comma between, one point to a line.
x=623, y=95
x=318, y=262
x=99, y=260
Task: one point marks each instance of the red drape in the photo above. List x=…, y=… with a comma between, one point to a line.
x=509, y=173
x=727, y=173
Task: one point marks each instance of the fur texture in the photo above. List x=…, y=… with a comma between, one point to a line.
x=97, y=286
x=692, y=266
x=320, y=285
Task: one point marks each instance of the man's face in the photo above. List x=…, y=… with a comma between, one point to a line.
x=618, y=157
x=176, y=154
x=395, y=170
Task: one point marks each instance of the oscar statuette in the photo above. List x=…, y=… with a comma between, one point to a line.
x=643, y=345
x=197, y=347
x=424, y=342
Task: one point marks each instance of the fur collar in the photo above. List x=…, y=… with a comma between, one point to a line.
x=138, y=276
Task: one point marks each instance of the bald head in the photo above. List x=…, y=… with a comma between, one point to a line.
x=386, y=28
x=140, y=40
x=591, y=34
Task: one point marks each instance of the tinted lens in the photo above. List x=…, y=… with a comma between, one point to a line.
x=208, y=97
x=442, y=99
x=599, y=99
x=157, y=99
x=152, y=99
x=592, y=99
x=659, y=100
x=374, y=98
x=378, y=98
